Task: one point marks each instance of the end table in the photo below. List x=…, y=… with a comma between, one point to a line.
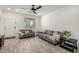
x=69, y=44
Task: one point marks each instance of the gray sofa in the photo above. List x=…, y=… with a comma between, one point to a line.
x=26, y=33
x=47, y=35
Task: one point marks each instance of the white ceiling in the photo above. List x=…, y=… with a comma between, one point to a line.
x=25, y=8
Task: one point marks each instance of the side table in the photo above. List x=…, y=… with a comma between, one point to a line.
x=69, y=44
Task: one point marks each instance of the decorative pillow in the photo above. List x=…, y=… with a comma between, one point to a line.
x=56, y=36
x=26, y=32
x=21, y=33
x=51, y=37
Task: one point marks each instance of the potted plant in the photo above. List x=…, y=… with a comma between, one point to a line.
x=67, y=34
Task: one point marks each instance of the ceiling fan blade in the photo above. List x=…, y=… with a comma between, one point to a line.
x=34, y=12
x=34, y=9
x=38, y=7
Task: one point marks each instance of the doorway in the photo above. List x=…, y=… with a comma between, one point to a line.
x=9, y=26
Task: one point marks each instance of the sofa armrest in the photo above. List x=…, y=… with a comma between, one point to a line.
x=21, y=34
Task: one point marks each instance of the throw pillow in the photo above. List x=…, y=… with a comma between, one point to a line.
x=56, y=36
x=26, y=32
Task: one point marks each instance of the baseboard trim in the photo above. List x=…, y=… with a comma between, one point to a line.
x=9, y=37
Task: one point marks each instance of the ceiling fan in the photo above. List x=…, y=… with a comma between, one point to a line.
x=34, y=9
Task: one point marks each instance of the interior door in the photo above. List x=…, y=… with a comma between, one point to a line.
x=10, y=28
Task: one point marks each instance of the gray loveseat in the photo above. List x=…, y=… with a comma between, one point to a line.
x=26, y=33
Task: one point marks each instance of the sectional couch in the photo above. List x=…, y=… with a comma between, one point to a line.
x=50, y=36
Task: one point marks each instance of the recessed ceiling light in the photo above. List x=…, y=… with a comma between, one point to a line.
x=9, y=8
x=17, y=9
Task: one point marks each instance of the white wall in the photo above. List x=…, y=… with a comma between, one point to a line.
x=63, y=19
x=1, y=24
x=19, y=20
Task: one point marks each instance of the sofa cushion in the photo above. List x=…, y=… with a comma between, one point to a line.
x=45, y=35
x=49, y=32
x=26, y=32
x=23, y=31
x=30, y=31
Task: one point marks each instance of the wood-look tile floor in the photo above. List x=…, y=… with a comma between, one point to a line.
x=30, y=45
